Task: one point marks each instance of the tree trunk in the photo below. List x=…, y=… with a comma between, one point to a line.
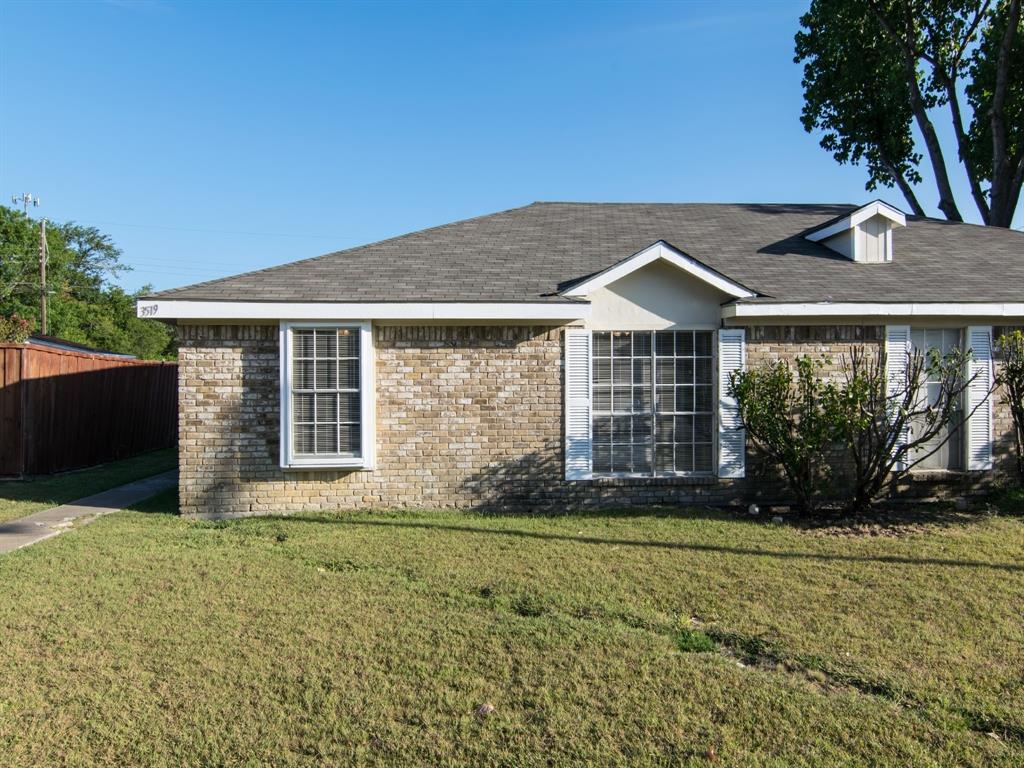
x=1004, y=175
x=905, y=188
x=947, y=202
x=961, y=143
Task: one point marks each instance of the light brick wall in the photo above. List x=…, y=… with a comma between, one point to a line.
x=466, y=417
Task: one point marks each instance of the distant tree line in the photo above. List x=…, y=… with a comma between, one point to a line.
x=85, y=306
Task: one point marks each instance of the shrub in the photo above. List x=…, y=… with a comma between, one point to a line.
x=786, y=419
x=872, y=416
x=799, y=423
x=1011, y=349
x=14, y=329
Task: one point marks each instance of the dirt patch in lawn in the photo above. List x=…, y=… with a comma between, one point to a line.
x=891, y=520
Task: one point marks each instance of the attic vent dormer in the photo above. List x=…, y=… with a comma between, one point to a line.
x=865, y=235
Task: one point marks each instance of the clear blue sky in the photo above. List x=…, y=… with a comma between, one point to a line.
x=213, y=138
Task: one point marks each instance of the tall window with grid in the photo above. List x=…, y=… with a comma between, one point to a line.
x=325, y=392
x=653, y=403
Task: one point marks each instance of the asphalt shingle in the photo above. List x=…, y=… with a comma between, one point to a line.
x=531, y=253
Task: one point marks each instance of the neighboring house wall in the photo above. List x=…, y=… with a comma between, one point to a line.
x=466, y=416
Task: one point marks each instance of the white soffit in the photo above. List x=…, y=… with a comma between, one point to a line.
x=866, y=309
x=171, y=309
x=664, y=252
x=862, y=214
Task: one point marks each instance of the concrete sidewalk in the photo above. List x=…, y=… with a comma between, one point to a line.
x=19, y=533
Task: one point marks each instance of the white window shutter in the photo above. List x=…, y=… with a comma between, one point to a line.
x=897, y=355
x=732, y=438
x=979, y=400
x=578, y=462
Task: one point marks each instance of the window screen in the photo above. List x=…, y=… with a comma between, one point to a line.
x=653, y=402
x=325, y=384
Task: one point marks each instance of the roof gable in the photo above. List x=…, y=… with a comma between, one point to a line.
x=659, y=251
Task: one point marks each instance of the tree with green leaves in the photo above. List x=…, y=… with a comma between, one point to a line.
x=84, y=306
x=875, y=69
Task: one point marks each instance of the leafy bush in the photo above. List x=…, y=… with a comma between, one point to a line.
x=786, y=419
x=800, y=423
x=14, y=329
x=1011, y=349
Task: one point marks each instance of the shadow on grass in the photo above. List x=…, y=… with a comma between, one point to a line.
x=692, y=547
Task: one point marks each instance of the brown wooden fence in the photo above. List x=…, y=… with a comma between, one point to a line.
x=62, y=410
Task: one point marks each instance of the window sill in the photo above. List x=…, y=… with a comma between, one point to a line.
x=937, y=475
x=625, y=480
x=302, y=465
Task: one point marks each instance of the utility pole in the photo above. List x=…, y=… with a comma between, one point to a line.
x=42, y=276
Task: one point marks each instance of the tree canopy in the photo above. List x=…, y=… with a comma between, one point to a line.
x=84, y=305
x=876, y=69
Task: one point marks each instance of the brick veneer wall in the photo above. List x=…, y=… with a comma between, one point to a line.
x=466, y=417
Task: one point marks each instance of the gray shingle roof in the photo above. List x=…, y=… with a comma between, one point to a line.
x=530, y=253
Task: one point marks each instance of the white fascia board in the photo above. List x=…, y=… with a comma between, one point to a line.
x=855, y=309
x=178, y=309
x=877, y=208
x=664, y=252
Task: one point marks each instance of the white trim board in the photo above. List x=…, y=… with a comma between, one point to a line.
x=367, y=403
x=177, y=309
x=858, y=309
x=859, y=216
x=665, y=252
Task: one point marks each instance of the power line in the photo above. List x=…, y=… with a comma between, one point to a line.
x=209, y=231
x=135, y=264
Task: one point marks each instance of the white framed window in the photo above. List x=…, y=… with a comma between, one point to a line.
x=327, y=405
x=653, y=403
x=950, y=455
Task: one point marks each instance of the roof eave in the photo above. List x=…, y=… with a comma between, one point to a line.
x=191, y=309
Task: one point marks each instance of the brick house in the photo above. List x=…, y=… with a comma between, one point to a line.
x=565, y=354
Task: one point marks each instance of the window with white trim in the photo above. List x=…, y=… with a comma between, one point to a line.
x=653, y=403
x=326, y=405
x=950, y=454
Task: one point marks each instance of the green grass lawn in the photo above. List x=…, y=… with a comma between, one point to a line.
x=372, y=639
x=22, y=497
